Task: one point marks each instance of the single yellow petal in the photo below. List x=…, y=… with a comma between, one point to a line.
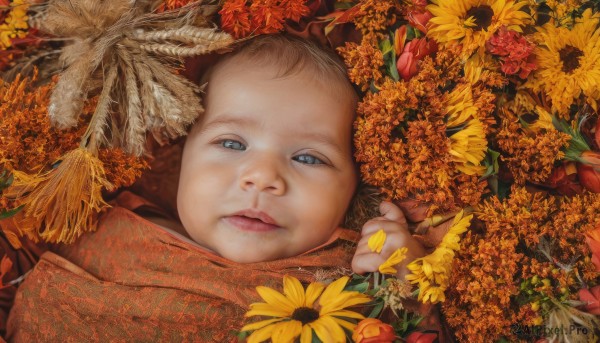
x=334, y=289
x=321, y=331
x=346, y=299
x=293, y=290
x=263, y=309
x=347, y=314
x=335, y=330
x=376, y=241
x=287, y=332
x=260, y=324
x=262, y=335
x=398, y=256
x=313, y=291
x=276, y=299
x=306, y=335
x=345, y=324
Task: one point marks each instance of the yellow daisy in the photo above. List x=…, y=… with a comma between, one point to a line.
x=569, y=63
x=472, y=22
x=468, y=147
x=318, y=310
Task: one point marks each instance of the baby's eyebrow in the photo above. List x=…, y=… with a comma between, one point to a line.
x=225, y=121
x=322, y=138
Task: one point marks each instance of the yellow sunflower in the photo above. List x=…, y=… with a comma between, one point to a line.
x=317, y=311
x=569, y=63
x=472, y=22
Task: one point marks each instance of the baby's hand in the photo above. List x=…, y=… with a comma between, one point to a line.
x=393, y=222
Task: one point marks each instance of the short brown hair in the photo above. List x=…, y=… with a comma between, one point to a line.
x=291, y=55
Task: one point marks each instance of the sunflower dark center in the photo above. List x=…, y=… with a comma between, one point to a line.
x=305, y=315
x=483, y=16
x=569, y=55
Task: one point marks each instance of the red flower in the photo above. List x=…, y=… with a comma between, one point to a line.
x=419, y=19
x=588, y=171
x=564, y=179
x=592, y=238
x=422, y=337
x=592, y=298
x=414, y=51
x=372, y=330
x=514, y=50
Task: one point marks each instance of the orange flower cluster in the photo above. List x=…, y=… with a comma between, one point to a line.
x=376, y=16
x=28, y=142
x=364, y=62
x=402, y=140
x=530, y=236
x=242, y=18
x=530, y=155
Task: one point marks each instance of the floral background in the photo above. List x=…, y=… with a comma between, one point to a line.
x=485, y=111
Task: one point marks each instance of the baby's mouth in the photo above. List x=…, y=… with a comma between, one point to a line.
x=252, y=220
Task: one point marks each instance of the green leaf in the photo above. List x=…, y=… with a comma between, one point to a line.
x=360, y=287
x=376, y=310
x=491, y=162
x=315, y=338
x=10, y=213
x=5, y=181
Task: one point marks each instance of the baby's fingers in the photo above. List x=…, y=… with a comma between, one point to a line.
x=366, y=263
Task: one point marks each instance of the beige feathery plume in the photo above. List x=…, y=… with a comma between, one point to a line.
x=126, y=52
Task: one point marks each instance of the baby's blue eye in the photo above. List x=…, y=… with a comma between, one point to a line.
x=231, y=144
x=307, y=159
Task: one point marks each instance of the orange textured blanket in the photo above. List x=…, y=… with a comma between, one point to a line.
x=133, y=281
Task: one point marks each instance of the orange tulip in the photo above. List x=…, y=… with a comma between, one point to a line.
x=372, y=330
x=592, y=298
x=422, y=337
x=592, y=238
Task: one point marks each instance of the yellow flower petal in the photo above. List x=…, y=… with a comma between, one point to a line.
x=398, y=256
x=260, y=324
x=306, y=335
x=274, y=298
x=376, y=241
x=263, y=309
x=313, y=291
x=286, y=332
x=293, y=290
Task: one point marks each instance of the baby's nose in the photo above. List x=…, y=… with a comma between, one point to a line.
x=263, y=176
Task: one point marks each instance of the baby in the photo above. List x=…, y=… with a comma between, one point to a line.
x=267, y=175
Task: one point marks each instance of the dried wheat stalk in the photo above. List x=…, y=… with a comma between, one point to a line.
x=129, y=51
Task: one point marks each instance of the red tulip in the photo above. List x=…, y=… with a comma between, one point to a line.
x=414, y=51
x=592, y=298
x=589, y=177
x=419, y=20
x=422, y=337
x=372, y=330
x=564, y=179
x=399, y=40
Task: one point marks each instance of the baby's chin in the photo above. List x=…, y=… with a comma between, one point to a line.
x=250, y=255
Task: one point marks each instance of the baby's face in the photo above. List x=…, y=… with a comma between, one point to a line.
x=268, y=172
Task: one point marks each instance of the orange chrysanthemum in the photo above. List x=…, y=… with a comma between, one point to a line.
x=243, y=18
